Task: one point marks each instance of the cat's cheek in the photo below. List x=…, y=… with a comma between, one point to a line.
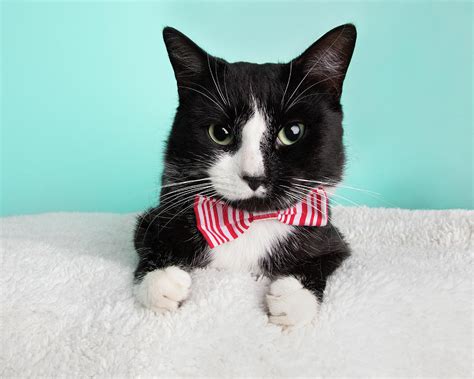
x=163, y=290
x=225, y=178
x=290, y=305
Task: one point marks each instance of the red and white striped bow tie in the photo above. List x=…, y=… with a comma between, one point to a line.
x=220, y=223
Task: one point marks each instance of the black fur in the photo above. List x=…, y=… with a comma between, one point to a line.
x=167, y=235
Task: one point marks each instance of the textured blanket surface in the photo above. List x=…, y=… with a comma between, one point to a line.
x=400, y=306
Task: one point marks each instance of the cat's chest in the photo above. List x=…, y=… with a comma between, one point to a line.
x=245, y=252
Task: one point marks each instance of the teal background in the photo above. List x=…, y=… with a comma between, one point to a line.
x=88, y=95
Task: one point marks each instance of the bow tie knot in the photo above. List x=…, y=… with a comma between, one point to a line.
x=219, y=223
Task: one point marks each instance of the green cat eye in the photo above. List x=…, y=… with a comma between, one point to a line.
x=291, y=133
x=220, y=134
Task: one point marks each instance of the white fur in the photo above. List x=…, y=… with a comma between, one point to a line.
x=290, y=304
x=226, y=174
x=250, y=153
x=244, y=253
x=400, y=306
x=163, y=290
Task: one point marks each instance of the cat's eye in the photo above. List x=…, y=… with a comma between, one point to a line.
x=291, y=133
x=220, y=134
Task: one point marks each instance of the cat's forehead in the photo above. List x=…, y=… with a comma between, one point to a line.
x=256, y=69
x=259, y=78
x=255, y=87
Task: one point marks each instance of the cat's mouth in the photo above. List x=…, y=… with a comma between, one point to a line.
x=262, y=199
x=250, y=197
x=240, y=188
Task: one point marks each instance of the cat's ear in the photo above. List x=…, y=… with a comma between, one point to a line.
x=187, y=58
x=326, y=61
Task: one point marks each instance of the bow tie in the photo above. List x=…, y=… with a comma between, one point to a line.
x=220, y=223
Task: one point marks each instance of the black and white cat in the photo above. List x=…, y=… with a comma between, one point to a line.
x=259, y=138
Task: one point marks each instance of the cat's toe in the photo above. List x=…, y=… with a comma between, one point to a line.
x=290, y=305
x=163, y=290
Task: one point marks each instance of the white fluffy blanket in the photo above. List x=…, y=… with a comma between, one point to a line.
x=400, y=306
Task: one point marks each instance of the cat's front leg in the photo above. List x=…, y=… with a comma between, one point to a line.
x=290, y=304
x=162, y=280
x=163, y=290
x=295, y=295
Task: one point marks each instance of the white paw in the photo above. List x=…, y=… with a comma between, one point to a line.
x=290, y=304
x=163, y=290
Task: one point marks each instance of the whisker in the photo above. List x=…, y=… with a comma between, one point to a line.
x=331, y=196
x=212, y=76
x=375, y=195
x=177, y=193
x=225, y=86
x=219, y=84
x=299, y=99
x=184, y=182
x=177, y=214
x=295, y=197
x=311, y=86
x=315, y=63
x=215, y=102
x=205, y=89
x=334, y=183
x=287, y=84
x=172, y=203
x=160, y=213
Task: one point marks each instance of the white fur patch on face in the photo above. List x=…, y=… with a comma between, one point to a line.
x=226, y=174
x=250, y=154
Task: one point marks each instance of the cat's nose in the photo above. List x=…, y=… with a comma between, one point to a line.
x=254, y=181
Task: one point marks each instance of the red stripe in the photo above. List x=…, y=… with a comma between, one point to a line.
x=283, y=217
x=326, y=215
x=312, y=210
x=292, y=217
x=304, y=212
x=206, y=222
x=264, y=216
x=236, y=220
x=198, y=213
x=217, y=223
x=318, y=206
x=242, y=220
x=214, y=223
x=225, y=216
x=289, y=215
x=209, y=222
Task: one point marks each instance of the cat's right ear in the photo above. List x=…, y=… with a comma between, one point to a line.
x=187, y=58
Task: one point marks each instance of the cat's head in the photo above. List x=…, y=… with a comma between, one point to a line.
x=257, y=135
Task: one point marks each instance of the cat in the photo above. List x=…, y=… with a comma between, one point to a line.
x=252, y=139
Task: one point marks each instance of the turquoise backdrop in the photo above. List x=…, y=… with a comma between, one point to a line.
x=88, y=95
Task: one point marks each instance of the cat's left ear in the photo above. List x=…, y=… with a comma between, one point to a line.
x=326, y=61
x=187, y=58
